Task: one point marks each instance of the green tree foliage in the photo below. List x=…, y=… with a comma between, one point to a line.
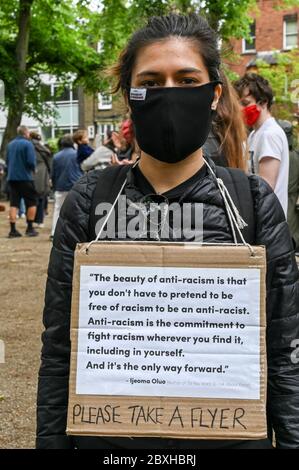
x=120, y=18
x=60, y=42
x=60, y=38
x=44, y=36
x=281, y=4
x=284, y=79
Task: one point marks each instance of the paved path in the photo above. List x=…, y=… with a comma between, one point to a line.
x=23, y=266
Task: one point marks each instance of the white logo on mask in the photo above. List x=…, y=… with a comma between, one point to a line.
x=138, y=94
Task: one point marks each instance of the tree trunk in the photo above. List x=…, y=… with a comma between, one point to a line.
x=16, y=106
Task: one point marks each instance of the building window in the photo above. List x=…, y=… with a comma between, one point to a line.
x=67, y=114
x=290, y=32
x=103, y=129
x=61, y=94
x=249, y=44
x=104, y=101
x=47, y=133
x=46, y=92
x=75, y=94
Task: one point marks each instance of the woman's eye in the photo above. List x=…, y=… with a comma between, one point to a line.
x=149, y=83
x=189, y=81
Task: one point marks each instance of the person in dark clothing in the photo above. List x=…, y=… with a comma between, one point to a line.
x=108, y=142
x=293, y=187
x=212, y=149
x=2, y=177
x=21, y=165
x=293, y=201
x=42, y=175
x=84, y=150
x=169, y=75
x=65, y=173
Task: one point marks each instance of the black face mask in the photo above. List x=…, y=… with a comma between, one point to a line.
x=172, y=123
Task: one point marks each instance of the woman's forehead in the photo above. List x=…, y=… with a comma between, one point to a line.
x=169, y=54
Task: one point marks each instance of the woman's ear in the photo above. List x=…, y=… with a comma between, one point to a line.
x=218, y=93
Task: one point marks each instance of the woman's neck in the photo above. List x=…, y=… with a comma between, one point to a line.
x=165, y=176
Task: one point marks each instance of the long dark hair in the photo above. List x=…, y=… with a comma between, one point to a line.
x=191, y=27
x=228, y=125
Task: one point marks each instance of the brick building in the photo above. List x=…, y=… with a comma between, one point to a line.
x=99, y=113
x=273, y=29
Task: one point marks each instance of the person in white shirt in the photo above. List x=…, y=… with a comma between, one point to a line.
x=268, y=145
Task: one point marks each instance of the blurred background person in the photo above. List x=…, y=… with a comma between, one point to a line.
x=21, y=165
x=22, y=210
x=52, y=147
x=65, y=172
x=41, y=176
x=126, y=148
x=268, y=145
x=2, y=177
x=293, y=188
x=84, y=150
x=101, y=157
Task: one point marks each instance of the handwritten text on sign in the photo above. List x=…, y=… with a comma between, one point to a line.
x=177, y=332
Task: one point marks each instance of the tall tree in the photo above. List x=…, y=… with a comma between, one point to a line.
x=59, y=38
x=284, y=81
x=44, y=36
x=230, y=18
x=119, y=18
x=21, y=51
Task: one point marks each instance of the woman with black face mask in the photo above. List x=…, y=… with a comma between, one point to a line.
x=169, y=75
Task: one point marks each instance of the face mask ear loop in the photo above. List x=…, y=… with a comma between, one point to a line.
x=234, y=216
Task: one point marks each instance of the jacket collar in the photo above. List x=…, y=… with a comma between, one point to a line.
x=134, y=193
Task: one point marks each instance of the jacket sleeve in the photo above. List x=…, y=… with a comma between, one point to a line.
x=101, y=154
x=52, y=398
x=30, y=156
x=282, y=316
x=7, y=155
x=53, y=174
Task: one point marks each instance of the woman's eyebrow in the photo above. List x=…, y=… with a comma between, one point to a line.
x=148, y=72
x=180, y=71
x=189, y=70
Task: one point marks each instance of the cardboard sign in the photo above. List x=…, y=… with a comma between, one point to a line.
x=168, y=340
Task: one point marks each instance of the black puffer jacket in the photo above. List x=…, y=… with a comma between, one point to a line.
x=282, y=313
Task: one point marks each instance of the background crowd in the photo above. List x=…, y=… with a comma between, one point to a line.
x=258, y=143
